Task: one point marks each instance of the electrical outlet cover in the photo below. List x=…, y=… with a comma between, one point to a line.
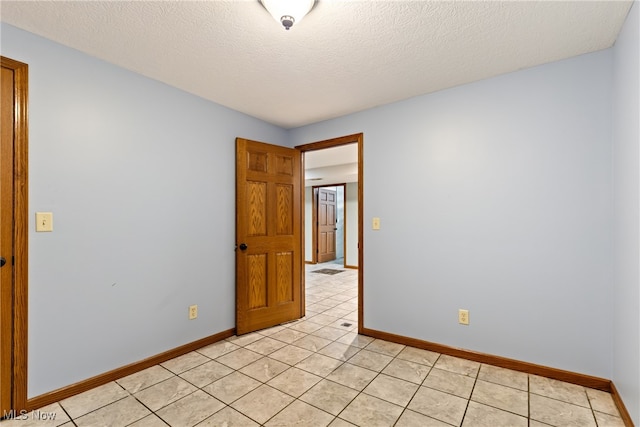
x=463, y=317
x=193, y=312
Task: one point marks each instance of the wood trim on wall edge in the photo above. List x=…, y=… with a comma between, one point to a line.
x=617, y=399
x=20, y=229
x=334, y=142
x=516, y=365
x=98, y=380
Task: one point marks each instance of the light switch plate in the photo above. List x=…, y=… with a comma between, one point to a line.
x=376, y=223
x=44, y=221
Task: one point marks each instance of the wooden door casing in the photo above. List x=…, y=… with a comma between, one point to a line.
x=13, y=236
x=326, y=224
x=6, y=241
x=336, y=142
x=268, y=223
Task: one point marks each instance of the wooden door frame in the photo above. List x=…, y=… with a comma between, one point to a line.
x=20, y=232
x=314, y=219
x=336, y=142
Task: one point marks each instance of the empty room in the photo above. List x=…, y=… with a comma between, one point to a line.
x=161, y=265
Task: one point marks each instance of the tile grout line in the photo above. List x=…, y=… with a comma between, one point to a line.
x=475, y=381
x=317, y=351
x=528, y=401
x=417, y=390
x=289, y=367
x=294, y=366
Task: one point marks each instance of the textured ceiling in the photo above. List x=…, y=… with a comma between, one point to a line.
x=345, y=56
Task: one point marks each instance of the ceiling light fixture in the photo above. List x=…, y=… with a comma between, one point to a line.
x=288, y=12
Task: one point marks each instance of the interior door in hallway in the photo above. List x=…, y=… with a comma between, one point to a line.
x=326, y=225
x=268, y=235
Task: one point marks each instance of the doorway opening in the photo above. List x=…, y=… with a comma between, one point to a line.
x=335, y=164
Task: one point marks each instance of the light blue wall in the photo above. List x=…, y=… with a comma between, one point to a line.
x=626, y=155
x=139, y=177
x=341, y=222
x=351, y=224
x=495, y=197
x=308, y=224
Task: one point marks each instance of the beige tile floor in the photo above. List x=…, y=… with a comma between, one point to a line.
x=319, y=372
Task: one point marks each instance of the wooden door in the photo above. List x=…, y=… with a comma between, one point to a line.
x=268, y=236
x=6, y=239
x=13, y=236
x=326, y=225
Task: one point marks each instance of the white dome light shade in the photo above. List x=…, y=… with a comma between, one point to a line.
x=288, y=12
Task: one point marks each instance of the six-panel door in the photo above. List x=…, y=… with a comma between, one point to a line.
x=268, y=223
